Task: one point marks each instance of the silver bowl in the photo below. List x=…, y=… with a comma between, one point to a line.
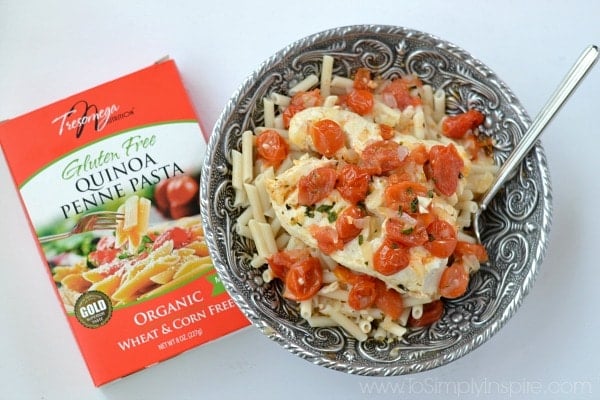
x=516, y=225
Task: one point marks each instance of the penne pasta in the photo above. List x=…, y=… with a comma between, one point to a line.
x=304, y=85
x=326, y=75
x=305, y=243
x=148, y=271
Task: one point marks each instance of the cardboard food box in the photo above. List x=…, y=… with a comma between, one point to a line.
x=136, y=282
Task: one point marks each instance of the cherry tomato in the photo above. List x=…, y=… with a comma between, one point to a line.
x=362, y=79
x=454, y=281
x=289, y=112
x=442, y=238
x=346, y=275
x=389, y=301
x=463, y=248
x=308, y=99
x=271, y=147
x=431, y=312
x=327, y=136
x=316, y=185
x=419, y=154
x=304, y=279
x=400, y=90
x=327, y=238
x=281, y=262
x=102, y=256
x=445, y=166
x=456, y=126
x=352, y=183
x=347, y=221
x=360, y=101
x=181, y=189
x=160, y=197
x=386, y=131
x=390, y=258
x=299, y=102
x=183, y=210
x=424, y=219
x=402, y=196
x=363, y=294
x=396, y=231
x=382, y=156
x=180, y=237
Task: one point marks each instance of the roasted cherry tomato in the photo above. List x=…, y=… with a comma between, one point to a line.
x=445, y=167
x=362, y=79
x=419, y=154
x=352, y=183
x=304, y=279
x=299, y=102
x=389, y=301
x=271, y=147
x=431, y=312
x=441, y=238
x=327, y=136
x=327, y=238
x=454, y=281
x=463, y=248
x=360, y=101
x=281, y=262
x=402, y=196
x=346, y=275
x=386, y=131
x=412, y=236
x=316, y=185
x=400, y=90
x=350, y=223
x=456, y=126
x=363, y=293
x=382, y=156
x=289, y=112
x=390, y=258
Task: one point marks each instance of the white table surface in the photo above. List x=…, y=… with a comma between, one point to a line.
x=549, y=349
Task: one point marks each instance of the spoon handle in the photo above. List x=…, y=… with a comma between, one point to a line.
x=583, y=64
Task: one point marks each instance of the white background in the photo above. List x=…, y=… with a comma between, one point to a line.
x=549, y=349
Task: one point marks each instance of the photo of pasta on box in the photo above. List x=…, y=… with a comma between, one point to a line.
x=136, y=261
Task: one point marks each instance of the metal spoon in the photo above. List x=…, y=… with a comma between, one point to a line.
x=583, y=64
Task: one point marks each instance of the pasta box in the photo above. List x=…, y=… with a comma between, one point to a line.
x=121, y=236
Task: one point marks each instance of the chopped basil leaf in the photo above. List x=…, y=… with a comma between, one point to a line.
x=414, y=205
x=331, y=216
x=325, y=207
x=309, y=211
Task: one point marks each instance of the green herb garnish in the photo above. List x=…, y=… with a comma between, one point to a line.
x=414, y=205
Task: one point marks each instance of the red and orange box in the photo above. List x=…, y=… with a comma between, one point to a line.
x=146, y=290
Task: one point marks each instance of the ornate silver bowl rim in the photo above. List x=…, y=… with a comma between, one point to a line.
x=516, y=225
